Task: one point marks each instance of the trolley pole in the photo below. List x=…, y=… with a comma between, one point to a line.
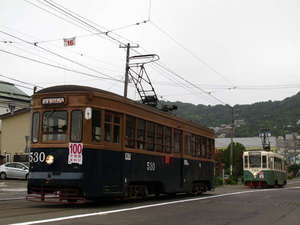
x=128, y=46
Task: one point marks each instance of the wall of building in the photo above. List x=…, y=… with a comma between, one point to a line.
x=14, y=130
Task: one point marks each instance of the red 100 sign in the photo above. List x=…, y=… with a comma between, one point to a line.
x=75, y=148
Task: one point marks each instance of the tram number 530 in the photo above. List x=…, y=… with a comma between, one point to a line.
x=150, y=166
x=37, y=157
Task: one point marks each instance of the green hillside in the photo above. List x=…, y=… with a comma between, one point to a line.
x=279, y=116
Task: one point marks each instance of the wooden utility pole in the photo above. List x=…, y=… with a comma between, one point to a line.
x=128, y=46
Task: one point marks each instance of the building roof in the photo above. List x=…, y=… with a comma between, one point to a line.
x=10, y=91
x=17, y=112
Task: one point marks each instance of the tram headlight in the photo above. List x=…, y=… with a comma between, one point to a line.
x=50, y=159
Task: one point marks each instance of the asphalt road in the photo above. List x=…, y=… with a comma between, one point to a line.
x=227, y=205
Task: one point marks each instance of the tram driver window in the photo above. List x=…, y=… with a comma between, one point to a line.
x=35, y=127
x=264, y=161
x=55, y=126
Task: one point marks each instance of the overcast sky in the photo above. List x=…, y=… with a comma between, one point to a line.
x=233, y=51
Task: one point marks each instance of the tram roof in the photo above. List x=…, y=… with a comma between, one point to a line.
x=78, y=88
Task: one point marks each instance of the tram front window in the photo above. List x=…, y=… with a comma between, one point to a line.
x=55, y=126
x=255, y=161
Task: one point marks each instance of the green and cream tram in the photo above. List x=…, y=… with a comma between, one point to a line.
x=264, y=169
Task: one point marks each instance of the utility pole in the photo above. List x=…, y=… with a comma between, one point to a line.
x=128, y=46
x=231, y=141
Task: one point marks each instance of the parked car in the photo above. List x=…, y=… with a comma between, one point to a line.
x=14, y=170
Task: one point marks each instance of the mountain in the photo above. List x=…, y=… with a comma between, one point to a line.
x=280, y=117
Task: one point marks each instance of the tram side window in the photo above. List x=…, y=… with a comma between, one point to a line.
x=96, y=125
x=192, y=145
x=187, y=144
x=264, y=161
x=108, y=127
x=277, y=163
x=141, y=128
x=177, y=141
x=159, y=138
x=117, y=130
x=197, y=146
x=205, y=146
x=168, y=139
x=35, y=127
x=112, y=127
x=212, y=148
x=76, y=126
x=55, y=126
x=130, y=131
x=271, y=160
x=150, y=135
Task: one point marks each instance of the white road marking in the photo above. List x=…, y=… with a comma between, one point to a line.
x=11, y=199
x=147, y=206
x=13, y=189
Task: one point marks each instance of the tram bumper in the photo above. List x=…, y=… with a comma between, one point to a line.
x=53, y=185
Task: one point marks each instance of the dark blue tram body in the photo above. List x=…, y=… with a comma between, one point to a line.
x=122, y=148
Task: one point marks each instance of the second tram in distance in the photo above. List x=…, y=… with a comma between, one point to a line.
x=88, y=144
x=264, y=169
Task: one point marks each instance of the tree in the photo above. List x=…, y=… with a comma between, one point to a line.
x=237, y=159
x=294, y=169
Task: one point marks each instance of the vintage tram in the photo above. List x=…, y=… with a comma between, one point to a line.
x=264, y=169
x=89, y=144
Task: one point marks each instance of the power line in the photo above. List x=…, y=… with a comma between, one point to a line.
x=190, y=52
x=193, y=85
x=59, y=67
x=56, y=54
x=81, y=54
x=79, y=18
x=20, y=81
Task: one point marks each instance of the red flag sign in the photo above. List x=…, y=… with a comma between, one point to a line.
x=69, y=41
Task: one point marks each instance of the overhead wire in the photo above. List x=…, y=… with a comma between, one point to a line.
x=194, y=55
x=58, y=67
x=81, y=54
x=20, y=81
x=58, y=55
x=81, y=19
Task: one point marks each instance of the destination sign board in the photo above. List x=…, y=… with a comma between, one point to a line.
x=53, y=101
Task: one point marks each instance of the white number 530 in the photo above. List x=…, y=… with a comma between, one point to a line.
x=150, y=166
x=37, y=157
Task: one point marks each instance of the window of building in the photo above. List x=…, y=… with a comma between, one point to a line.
x=177, y=141
x=150, y=135
x=96, y=125
x=76, y=126
x=35, y=127
x=168, y=139
x=130, y=131
x=141, y=133
x=55, y=126
x=159, y=138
